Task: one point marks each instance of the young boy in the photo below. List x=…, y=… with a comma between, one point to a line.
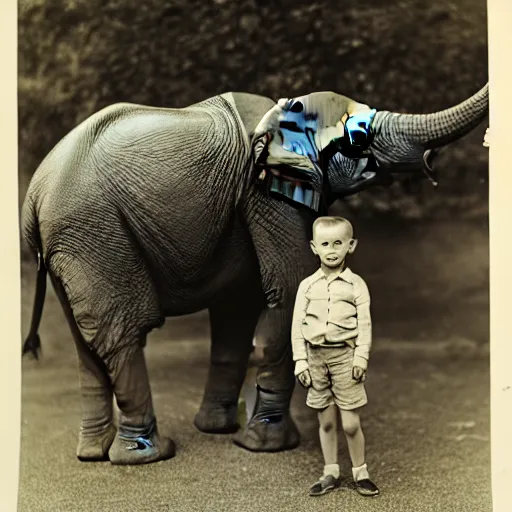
x=331, y=340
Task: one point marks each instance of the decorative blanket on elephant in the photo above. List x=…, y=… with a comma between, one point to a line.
x=297, y=138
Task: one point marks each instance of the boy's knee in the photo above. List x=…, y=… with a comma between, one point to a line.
x=327, y=427
x=351, y=425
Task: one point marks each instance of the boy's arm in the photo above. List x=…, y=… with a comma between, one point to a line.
x=364, y=324
x=299, y=313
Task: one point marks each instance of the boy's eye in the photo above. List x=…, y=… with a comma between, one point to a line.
x=338, y=242
x=325, y=244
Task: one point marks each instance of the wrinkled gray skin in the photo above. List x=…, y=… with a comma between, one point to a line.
x=142, y=213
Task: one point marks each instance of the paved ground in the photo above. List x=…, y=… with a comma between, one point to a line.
x=427, y=424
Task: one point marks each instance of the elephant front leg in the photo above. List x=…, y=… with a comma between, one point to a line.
x=280, y=234
x=233, y=320
x=271, y=427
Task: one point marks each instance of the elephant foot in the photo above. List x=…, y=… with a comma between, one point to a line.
x=94, y=447
x=273, y=434
x=140, y=446
x=217, y=419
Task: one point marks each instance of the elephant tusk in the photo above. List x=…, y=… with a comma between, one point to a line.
x=428, y=157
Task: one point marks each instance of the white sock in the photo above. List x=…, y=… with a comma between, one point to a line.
x=360, y=473
x=332, y=469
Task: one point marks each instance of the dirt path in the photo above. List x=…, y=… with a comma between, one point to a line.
x=427, y=429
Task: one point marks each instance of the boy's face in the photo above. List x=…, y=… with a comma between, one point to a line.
x=332, y=244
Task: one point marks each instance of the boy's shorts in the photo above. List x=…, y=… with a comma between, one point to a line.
x=331, y=379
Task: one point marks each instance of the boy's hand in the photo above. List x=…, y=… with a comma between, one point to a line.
x=305, y=378
x=358, y=374
x=302, y=373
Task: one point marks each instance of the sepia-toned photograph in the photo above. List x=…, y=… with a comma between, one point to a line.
x=254, y=253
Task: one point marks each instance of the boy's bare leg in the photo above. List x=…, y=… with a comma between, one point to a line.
x=328, y=420
x=355, y=438
x=356, y=447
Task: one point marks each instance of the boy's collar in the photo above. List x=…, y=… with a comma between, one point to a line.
x=345, y=274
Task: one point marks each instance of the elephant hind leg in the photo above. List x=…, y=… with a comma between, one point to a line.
x=113, y=306
x=97, y=430
x=138, y=441
x=233, y=319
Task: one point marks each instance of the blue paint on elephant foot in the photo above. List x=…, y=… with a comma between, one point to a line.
x=140, y=446
x=272, y=434
x=94, y=447
x=217, y=419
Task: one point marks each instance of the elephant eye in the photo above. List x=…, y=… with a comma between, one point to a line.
x=297, y=107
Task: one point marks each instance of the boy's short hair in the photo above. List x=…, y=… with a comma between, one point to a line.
x=332, y=221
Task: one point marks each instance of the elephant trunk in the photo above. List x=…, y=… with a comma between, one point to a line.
x=411, y=134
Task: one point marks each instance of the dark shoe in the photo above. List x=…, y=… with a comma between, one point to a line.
x=324, y=485
x=366, y=487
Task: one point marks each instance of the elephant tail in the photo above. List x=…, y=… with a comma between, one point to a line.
x=30, y=229
x=32, y=343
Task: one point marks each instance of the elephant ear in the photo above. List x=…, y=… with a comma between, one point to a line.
x=402, y=139
x=285, y=152
x=273, y=149
x=294, y=140
x=292, y=135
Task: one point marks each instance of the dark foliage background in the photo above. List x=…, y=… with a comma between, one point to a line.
x=77, y=56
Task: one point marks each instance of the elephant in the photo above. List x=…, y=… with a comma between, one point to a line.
x=141, y=213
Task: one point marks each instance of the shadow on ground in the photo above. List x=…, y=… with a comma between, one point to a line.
x=427, y=423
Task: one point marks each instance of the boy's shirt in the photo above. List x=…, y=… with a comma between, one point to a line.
x=332, y=311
